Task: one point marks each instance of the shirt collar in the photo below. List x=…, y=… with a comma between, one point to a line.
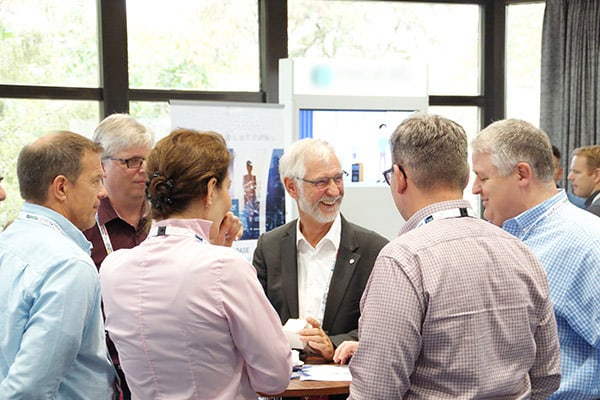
x=430, y=209
x=333, y=236
x=201, y=227
x=70, y=230
x=592, y=198
x=107, y=213
x=522, y=223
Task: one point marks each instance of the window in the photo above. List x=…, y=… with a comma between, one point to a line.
x=445, y=37
x=22, y=122
x=154, y=115
x=523, y=61
x=199, y=45
x=47, y=42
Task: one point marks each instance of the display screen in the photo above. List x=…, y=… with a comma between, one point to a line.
x=360, y=137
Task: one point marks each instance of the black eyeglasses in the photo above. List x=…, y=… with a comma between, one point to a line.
x=322, y=183
x=387, y=174
x=132, y=163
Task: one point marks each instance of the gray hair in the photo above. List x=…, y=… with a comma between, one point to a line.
x=293, y=162
x=512, y=141
x=434, y=149
x=119, y=132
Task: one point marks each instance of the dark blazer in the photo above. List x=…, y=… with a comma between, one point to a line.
x=275, y=260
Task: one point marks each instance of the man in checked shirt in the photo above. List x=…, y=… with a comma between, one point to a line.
x=455, y=307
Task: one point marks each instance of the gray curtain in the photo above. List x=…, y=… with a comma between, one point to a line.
x=570, y=86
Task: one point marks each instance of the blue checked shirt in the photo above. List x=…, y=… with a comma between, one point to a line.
x=566, y=239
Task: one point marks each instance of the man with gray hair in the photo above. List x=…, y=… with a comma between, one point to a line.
x=122, y=217
x=122, y=221
x=512, y=161
x=455, y=307
x=316, y=267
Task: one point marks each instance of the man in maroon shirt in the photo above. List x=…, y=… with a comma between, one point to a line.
x=122, y=220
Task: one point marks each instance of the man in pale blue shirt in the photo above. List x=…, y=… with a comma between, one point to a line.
x=512, y=161
x=52, y=342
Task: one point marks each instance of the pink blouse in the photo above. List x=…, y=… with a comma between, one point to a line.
x=190, y=320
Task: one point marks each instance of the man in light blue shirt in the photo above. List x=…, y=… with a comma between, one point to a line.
x=512, y=161
x=52, y=342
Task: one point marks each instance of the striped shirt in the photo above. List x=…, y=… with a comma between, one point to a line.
x=566, y=239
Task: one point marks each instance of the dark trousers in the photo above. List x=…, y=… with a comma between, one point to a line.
x=125, y=393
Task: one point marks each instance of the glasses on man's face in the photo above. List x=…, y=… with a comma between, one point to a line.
x=323, y=183
x=387, y=174
x=132, y=163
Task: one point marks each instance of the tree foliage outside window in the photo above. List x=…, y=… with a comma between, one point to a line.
x=50, y=43
x=21, y=122
x=213, y=45
x=200, y=45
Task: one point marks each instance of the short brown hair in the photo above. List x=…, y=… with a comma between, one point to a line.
x=58, y=153
x=591, y=154
x=180, y=166
x=434, y=148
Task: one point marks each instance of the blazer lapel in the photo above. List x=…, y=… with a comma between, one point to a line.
x=345, y=266
x=289, y=267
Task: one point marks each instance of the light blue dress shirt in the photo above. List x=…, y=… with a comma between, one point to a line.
x=52, y=343
x=566, y=239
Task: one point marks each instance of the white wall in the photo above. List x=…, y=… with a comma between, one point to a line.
x=372, y=207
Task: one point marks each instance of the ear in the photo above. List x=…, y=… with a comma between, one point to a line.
x=596, y=175
x=400, y=180
x=211, y=188
x=291, y=186
x=59, y=188
x=524, y=172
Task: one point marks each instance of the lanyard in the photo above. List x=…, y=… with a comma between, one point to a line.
x=175, y=231
x=545, y=215
x=41, y=219
x=104, y=235
x=452, y=213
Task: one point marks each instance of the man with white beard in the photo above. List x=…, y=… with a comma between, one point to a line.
x=316, y=266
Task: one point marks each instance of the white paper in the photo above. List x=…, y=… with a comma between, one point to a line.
x=291, y=329
x=325, y=372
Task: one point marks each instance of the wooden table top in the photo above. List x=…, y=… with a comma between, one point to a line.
x=300, y=388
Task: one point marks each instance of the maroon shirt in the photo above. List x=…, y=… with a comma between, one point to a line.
x=122, y=234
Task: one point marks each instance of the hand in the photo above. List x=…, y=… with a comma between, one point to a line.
x=316, y=339
x=231, y=229
x=344, y=351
